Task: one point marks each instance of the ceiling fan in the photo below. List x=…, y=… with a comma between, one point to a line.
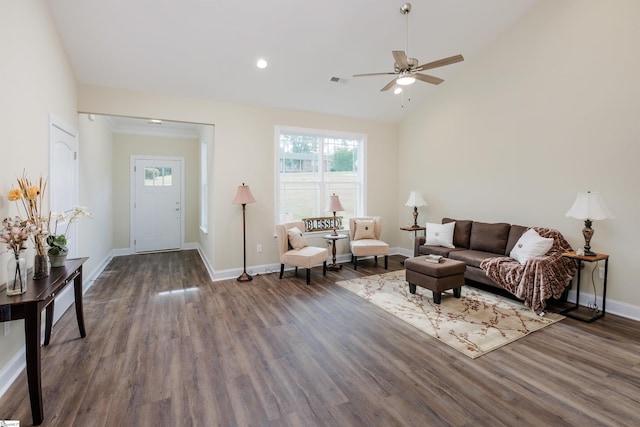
x=406, y=69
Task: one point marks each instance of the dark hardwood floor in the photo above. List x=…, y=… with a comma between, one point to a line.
x=166, y=346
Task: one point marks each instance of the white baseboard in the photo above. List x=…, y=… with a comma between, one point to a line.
x=11, y=370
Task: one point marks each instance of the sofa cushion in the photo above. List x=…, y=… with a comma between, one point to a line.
x=296, y=238
x=489, y=237
x=514, y=234
x=530, y=245
x=365, y=230
x=471, y=257
x=461, y=232
x=436, y=250
x=440, y=234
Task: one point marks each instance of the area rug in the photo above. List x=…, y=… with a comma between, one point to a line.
x=474, y=324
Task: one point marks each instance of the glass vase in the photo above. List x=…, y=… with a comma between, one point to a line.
x=17, y=275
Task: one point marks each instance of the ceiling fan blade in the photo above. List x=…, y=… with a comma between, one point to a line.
x=427, y=78
x=373, y=74
x=439, y=63
x=401, y=59
x=389, y=85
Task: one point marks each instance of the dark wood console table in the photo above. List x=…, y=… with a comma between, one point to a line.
x=41, y=295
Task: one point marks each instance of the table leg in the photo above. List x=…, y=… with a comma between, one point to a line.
x=77, y=290
x=334, y=266
x=48, y=321
x=32, y=322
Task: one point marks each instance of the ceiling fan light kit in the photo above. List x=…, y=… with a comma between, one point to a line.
x=405, y=80
x=406, y=70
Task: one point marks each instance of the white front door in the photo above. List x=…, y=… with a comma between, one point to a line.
x=63, y=176
x=157, y=204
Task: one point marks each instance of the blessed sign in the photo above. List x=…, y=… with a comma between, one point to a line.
x=322, y=223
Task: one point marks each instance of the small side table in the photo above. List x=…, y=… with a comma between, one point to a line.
x=574, y=311
x=415, y=229
x=334, y=266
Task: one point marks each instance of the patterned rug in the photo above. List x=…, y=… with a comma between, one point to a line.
x=475, y=324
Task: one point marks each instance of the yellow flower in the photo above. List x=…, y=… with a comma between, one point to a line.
x=32, y=192
x=15, y=195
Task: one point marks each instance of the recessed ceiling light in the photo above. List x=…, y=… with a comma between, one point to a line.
x=397, y=90
x=262, y=64
x=155, y=121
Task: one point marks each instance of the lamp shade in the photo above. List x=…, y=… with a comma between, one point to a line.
x=243, y=196
x=334, y=203
x=590, y=206
x=415, y=199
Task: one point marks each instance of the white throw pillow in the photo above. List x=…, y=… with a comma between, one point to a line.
x=365, y=229
x=296, y=239
x=530, y=245
x=440, y=234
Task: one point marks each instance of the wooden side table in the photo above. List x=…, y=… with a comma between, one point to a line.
x=575, y=311
x=414, y=229
x=40, y=296
x=334, y=266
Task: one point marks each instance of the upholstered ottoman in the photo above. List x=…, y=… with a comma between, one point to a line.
x=445, y=275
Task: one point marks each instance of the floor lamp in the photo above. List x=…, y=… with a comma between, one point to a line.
x=244, y=197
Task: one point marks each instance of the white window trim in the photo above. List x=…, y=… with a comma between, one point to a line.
x=320, y=132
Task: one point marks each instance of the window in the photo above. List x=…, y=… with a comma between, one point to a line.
x=203, y=185
x=157, y=177
x=312, y=165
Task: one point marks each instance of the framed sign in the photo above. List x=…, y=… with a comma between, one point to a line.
x=322, y=223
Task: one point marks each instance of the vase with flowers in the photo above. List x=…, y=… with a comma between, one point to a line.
x=14, y=234
x=30, y=195
x=58, y=242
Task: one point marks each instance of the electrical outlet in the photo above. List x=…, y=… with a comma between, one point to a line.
x=259, y=248
x=601, y=272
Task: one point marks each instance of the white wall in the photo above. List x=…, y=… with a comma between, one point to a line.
x=35, y=81
x=549, y=110
x=96, y=190
x=244, y=151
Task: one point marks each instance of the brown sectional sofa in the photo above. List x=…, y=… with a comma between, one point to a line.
x=475, y=241
x=534, y=282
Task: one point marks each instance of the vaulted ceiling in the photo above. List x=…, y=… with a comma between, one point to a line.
x=208, y=48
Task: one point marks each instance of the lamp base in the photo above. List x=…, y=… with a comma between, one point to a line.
x=244, y=277
x=589, y=253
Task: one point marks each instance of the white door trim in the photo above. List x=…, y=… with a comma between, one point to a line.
x=132, y=192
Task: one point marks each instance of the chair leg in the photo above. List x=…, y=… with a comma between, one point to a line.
x=324, y=268
x=308, y=276
x=281, y=270
x=355, y=262
x=296, y=273
x=386, y=262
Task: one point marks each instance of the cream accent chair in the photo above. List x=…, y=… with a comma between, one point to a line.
x=370, y=245
x=306, y=257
